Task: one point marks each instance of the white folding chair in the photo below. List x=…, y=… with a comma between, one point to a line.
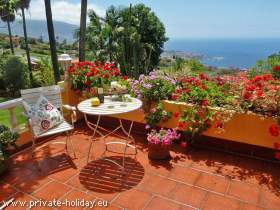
x=53, y=94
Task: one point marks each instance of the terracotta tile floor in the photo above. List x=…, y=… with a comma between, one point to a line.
x=191, y=179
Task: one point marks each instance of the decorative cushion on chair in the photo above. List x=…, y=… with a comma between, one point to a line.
x=43, y=115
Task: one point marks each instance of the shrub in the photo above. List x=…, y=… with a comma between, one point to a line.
x=15, y=74
x=7, y=137
x=45, y=75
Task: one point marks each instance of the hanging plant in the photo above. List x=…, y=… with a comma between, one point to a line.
x=193, y=120
x=156, y=115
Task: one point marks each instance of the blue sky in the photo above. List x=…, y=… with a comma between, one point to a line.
x=190, y=18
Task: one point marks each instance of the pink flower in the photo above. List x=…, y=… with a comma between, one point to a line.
x=147, y=127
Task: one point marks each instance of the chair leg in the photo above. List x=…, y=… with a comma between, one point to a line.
x=33, y=147
x=69, y=139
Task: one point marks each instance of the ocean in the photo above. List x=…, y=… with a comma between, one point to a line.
x=237, y=53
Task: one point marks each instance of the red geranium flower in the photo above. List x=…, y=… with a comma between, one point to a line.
x=176, y=114
x=205, y=102
x=256, y=79
x=277, y=145
x=274, y=130
x=203, y=76
x=174, y=97
x=125, y=77
x=219, y=124
x=247, y=95
x=207, y=122
x=250, y=87
x=78, y=92
x=181, y=125
x=260, y=93
x=184, y=144
x=277, y=155
x=179, y=90
x=276, y=68
x=267, y=77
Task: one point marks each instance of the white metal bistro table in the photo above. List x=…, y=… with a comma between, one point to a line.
x=110, y=107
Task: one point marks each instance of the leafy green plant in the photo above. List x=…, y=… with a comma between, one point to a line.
x=7, y=138
x=15, y=74
x=153, y=88
x=156, y=115
x=195, y=119
x=46, y=76
x=132, y=36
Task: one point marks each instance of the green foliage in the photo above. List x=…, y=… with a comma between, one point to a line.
x=184, y=67
x=195, y=65
x=156, y=115
x=195, y=119
x=131, y=36
x=7, y=137
x=7, y=10
x=45, y=75
x=265, y=66
x=2, y=63
x=15, y=74
x=154, y=87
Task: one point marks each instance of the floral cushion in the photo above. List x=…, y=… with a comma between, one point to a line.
x=43, y=115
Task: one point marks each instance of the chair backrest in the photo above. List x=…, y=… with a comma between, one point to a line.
x=52, y=93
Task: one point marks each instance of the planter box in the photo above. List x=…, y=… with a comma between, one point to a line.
x=243, y=128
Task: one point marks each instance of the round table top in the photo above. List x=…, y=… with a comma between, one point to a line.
x=109, y=107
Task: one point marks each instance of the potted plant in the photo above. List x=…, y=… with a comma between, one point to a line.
x=159, y=143
x=87, y=76
x=7, y=138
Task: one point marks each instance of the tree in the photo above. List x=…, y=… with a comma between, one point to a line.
x=22, y=5
x=131, y=36
x=83, y=25
x=15, y=76
x=7, y=14
x=52, y=40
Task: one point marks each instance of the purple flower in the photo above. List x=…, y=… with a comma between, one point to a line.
x=139, y=96
x=147, y=127
x=147, y=86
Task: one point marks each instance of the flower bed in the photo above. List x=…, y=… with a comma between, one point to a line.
x=236, y=108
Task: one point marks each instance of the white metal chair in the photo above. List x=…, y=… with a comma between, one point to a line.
x=53, y=94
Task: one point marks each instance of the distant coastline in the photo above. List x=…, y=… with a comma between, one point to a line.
x=233, y=53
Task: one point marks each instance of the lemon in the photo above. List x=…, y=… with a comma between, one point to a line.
x=95, y=101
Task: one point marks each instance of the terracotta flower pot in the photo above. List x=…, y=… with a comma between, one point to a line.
x=158, y=151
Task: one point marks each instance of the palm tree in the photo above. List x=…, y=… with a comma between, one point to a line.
x=52, y=40
x=22, y=5
x=7, y=15
x=83, y=25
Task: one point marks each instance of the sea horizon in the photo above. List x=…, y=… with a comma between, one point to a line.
x=237, y=52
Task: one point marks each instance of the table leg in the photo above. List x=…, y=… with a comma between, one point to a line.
x=94, y=133
x=127, y=139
